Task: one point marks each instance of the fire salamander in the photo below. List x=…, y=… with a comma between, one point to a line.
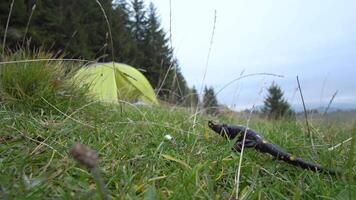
x=254, y=140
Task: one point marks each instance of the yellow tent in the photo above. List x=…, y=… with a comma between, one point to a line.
x=110, y=82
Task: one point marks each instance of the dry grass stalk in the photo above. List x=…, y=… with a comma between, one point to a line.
x=306, y=118
x=7, y=26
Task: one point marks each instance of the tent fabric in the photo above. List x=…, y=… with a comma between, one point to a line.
x=110, y=82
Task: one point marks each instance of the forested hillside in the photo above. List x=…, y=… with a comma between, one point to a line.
x=79, y=29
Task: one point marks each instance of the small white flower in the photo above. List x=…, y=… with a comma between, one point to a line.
x=168, y=137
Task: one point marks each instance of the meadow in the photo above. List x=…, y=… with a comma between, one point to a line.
x=43, y=114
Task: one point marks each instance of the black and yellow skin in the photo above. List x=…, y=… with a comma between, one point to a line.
x=254, y=140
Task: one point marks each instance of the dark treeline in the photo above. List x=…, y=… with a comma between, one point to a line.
x=78, y=29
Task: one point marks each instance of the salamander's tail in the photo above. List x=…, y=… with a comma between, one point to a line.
x=280, y=154
x=311, y=166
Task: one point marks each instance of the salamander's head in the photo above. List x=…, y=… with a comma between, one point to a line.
x=225, y=130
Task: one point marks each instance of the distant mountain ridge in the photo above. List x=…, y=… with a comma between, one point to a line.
x=321, y=108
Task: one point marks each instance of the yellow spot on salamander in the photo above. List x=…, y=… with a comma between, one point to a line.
x=291, y=158
x=264, y=141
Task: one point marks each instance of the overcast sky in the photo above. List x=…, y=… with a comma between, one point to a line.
x=315, y=40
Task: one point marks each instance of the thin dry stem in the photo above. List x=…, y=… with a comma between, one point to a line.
x=171, y=45
x=104, y=192
x=78, y=121
x=38, y=147
x=109, y=28
x=244, y=76
x=134, y=106
x=41, y=60
x=170, y=22
x=237, y=177
x=164, y=79
x=28, y=24
x=48, y=164
x=330, y=102
x=45, y=144
x=79, y=109
x=306, y=119
x=237, y=91
x=7, y=26
x=111, y=41
x=247, y=75
x=70, y=39
x=206, y=65
x=323, y=87
x=175, y=79
x=167, y=126
x=338, y=145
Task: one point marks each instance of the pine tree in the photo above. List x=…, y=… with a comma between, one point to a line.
x=138, y=24
x=275, y=106
x=124, y=42
x=157, y=53
x=160, y=61
x=210, y=103
x=139, y=20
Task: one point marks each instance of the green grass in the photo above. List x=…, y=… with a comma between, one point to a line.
x=137, y=162
x=26, y=84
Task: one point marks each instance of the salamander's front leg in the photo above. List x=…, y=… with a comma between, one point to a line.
x=248, y=144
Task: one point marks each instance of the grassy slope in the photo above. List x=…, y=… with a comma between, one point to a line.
x=135, y=159
x=34, y=162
